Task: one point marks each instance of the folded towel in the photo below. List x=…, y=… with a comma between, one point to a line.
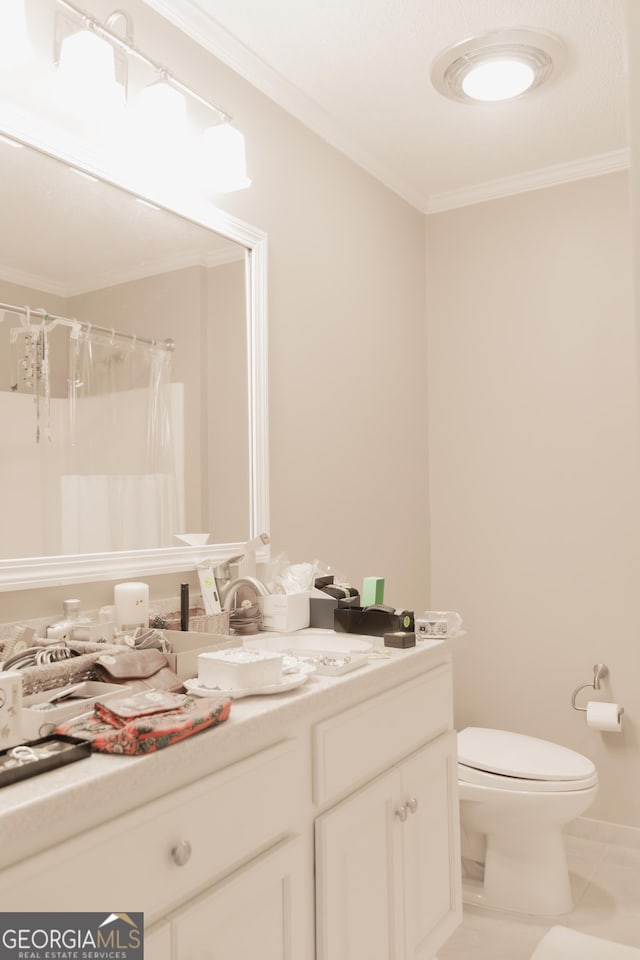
x=561, y=943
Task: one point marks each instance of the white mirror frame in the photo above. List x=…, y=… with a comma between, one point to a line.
x=28, y=573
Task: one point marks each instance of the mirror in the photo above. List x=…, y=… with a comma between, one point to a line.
x=79, y=247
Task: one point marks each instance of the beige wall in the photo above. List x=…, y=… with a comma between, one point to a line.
x=535, y=478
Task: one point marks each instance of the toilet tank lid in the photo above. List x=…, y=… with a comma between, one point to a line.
x=517, y=755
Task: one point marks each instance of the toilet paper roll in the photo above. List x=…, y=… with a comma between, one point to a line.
x=604, y=716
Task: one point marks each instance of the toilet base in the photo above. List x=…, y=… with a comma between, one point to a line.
x=525, y=874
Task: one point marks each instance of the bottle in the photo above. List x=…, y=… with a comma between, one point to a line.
x=63, y=628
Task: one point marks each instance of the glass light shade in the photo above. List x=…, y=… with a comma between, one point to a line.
x=225, y=167
x=499, y=65
x=162, y=109
x=498, y=79
x=86, y=74
x=15, y=48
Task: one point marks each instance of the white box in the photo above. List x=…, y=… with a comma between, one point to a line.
x=10, y=709
x=40, y=719
x=239, y=669
x=187, y=645
x=285, y=612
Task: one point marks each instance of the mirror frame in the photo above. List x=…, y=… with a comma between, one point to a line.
x=34, y=572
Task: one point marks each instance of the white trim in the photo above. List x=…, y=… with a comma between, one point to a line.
x=23, y=573
x=595, y=166
x=604, y=831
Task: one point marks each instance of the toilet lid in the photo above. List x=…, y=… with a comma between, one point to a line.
x=516, y=755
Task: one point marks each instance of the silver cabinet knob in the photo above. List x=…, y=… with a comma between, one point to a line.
x=181, y=853
x=412, y=805
x=401, y=812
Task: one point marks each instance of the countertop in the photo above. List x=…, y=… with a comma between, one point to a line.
x=49, y=808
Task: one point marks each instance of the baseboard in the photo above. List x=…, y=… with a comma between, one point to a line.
x=604, y=831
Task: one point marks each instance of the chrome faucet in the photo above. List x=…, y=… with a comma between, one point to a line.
x=229, y=590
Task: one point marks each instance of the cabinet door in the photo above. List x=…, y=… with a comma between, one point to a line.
x=431, y=847
x=157, y=942
x=253, y=914
x=359, y=875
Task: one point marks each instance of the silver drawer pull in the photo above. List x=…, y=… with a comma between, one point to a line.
x=412, y=805
x=401, y=812
x=181, y=853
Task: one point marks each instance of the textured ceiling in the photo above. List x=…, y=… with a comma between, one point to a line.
x=357, y=72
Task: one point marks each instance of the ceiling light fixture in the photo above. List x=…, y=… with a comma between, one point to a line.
x=497, y=66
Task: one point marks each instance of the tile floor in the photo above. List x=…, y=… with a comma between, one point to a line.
x=605, y=879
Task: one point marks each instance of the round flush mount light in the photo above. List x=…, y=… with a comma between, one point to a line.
x=497, y=66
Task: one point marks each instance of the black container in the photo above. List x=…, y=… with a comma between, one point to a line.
x=372, y=621
x=64, y=750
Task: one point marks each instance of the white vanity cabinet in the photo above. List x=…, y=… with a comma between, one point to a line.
x=322, y=825
x=388, y=856
x=255, y=913
x=215, y=860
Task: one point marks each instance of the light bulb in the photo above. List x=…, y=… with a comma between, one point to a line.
x=86, y=74
x=224, y=162
x=499, y=79
x=162, y=109
x=15, y=48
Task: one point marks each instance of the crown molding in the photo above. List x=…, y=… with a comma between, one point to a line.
x=198, y=24
x=111, y=278
x=595, y=166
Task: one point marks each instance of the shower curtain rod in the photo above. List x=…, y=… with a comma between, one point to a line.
x=168, y=344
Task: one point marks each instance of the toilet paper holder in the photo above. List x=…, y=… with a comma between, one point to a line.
x=600, y=671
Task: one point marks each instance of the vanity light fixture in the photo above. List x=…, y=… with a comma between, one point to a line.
x=224, y=159
x=86, y=77
x=15, y=47
x=501, y=65
x=162, y=106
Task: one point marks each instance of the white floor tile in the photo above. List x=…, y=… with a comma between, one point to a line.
x=605, y=882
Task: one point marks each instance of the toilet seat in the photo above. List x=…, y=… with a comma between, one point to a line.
x=513, y=761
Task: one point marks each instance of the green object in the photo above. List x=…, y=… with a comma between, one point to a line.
x=372, y=591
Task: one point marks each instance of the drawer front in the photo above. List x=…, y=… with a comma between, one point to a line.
x=162, y=853
x=359, y=743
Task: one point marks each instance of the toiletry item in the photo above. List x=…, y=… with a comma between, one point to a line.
x=62, y=630
x=604, y=716
x=10, y=708
x=209, y=588
x=400, y=639
x=372, y=591
x=131, y=601
x=438, y=624
x=184, y=606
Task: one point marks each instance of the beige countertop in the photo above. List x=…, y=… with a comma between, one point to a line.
x=51, y=807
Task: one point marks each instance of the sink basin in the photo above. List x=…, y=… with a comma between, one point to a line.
x=310, y=640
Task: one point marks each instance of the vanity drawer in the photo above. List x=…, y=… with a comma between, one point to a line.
x=359, y=743
x=160, y=854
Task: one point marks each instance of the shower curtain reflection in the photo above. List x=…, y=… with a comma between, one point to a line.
x=122, y=485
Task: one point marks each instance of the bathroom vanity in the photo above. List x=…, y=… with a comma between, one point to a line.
x=318, y=823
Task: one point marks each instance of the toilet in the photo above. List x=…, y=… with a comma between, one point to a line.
x=516, y=795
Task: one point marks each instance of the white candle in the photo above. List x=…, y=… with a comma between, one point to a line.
x=132, y=604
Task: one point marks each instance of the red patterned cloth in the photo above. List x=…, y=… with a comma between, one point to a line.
x=149, y=733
